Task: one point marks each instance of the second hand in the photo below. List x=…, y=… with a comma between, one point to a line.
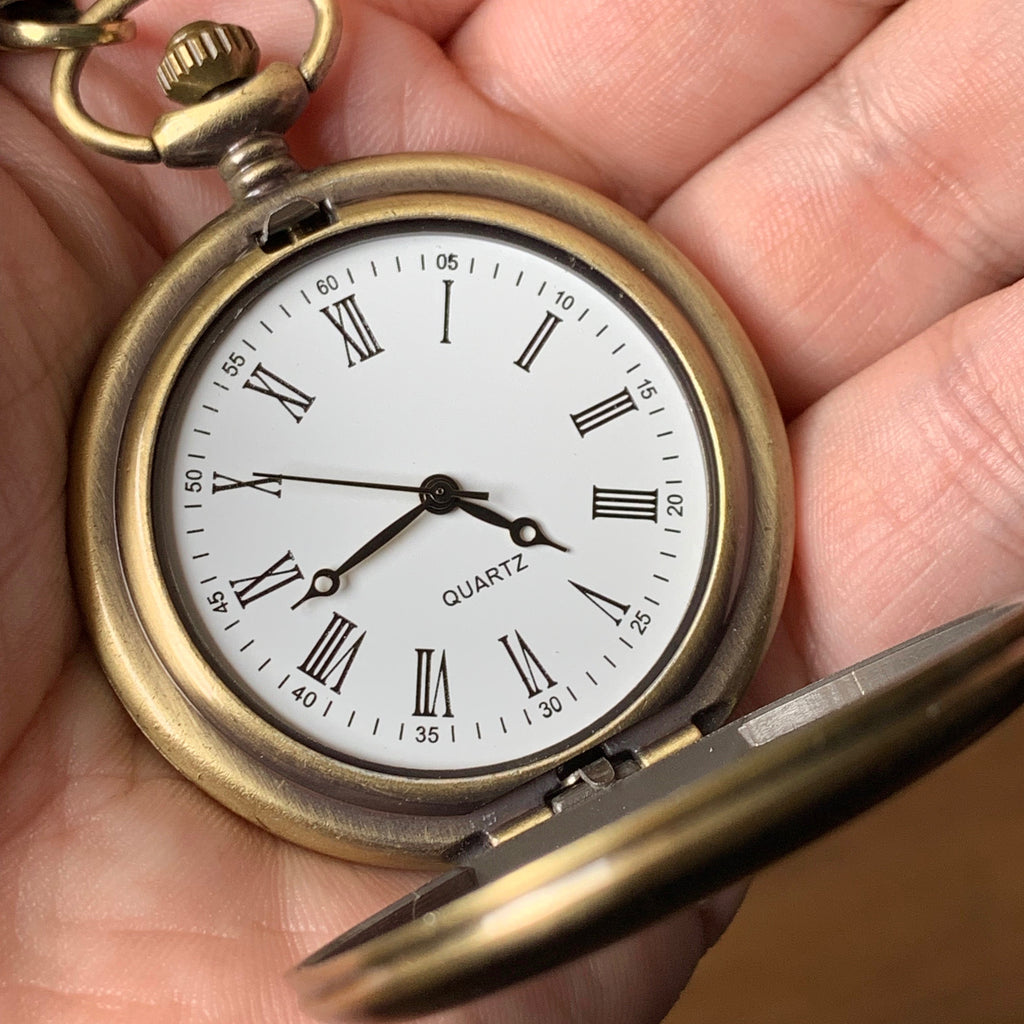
x=473, y=495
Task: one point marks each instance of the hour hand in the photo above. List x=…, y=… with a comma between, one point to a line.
x=325, y=582
x=524, y=531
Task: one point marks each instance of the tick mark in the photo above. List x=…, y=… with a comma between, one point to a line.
x=266, y=327
x=248, y=344
x=616, y=351
x=223, y=387
x=210, y=408
x=610, y=662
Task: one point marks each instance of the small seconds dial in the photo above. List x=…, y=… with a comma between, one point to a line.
x=435, y=498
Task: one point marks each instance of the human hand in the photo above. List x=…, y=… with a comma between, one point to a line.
x=848, y=179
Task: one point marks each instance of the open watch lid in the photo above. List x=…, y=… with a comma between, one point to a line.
x=642, y=836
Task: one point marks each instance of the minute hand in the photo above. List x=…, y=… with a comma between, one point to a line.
x=524, y=531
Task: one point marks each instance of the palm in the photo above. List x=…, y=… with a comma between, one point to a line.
x=843, y=229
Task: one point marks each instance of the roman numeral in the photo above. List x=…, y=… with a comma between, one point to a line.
x=615, y=610
x=524, y=663
x=612, y=503
x=447, y=282
x=604, y=412
x=427, y=695
x=355, y=332
x=330, y=656
x=294, y=401
x=280, y=574
x=265, y=483
x=538, y=341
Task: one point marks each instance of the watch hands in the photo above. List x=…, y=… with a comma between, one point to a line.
x=325, y=582
x=524, y=531
x=423, y=489
x=440, y=495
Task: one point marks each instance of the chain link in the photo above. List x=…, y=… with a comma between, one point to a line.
x=55, y=25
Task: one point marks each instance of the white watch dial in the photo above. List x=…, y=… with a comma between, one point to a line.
x=542, y=539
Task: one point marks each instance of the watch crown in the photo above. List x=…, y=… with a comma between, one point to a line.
x=204, y=56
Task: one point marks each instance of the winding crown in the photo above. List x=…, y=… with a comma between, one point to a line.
x=204, y=56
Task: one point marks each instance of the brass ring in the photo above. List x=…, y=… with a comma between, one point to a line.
x=67, y=70
x=35, y=34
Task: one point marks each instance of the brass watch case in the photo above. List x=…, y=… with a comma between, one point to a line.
x=159, y=672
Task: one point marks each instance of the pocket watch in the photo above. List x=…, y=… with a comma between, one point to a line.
x=410, y=482
x=432, y=510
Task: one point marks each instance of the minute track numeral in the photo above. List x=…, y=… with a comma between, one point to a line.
x=538, y=341
x=358, y=338
x=617, y=503
x=265, y=483
x=292, y=399
x=611, y=408
x=525, y=662
x=330, y=656
x=280, y=574
x=427, y=692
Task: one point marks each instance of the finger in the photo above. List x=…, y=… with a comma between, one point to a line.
x=437, y=18
x=883, y=199
x=651, y=89
x=910, y=480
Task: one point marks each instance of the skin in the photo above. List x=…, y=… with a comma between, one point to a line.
x=846, y=173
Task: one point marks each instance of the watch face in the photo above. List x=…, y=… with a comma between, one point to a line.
x=436, y=497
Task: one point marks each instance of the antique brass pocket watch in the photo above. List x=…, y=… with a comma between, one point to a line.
x=427, y=510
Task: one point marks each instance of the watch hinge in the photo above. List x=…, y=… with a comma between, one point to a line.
x=579, y=779
x=597, y=774
x=292, y=223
